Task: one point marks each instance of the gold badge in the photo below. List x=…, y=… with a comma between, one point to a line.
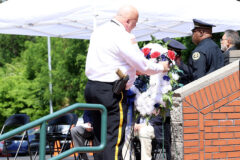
x=196, y=56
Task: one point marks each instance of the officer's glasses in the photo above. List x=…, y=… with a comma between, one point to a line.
x=222, y=39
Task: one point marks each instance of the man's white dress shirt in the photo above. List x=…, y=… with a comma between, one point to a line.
x=111, y=48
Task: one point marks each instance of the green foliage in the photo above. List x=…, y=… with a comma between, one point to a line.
x=154, y=40
x=24, y=78
x=68, y=61
x=11, y=46
x=18, y=94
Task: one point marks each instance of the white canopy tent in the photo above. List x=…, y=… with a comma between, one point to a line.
x=78, y=18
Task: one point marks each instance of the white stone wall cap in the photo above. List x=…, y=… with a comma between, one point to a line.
x=207, y=80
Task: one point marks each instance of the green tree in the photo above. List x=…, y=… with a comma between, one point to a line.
x=25, y=80
x=68, y=61
x=18, y=94
x=68, y=64
x=11, y=46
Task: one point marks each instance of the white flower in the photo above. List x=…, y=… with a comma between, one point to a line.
x=149, y=45
x=135, y=90
x=166, y=88
x=157, y=47
x=164, y=83
x=157, y=87
x=157, y=98
x=175, y=76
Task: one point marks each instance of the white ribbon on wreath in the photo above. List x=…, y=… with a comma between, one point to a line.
x=159, y=84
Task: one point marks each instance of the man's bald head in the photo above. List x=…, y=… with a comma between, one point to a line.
x=128, y=11
x=128, y=16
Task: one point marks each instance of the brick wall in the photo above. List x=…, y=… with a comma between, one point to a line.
x=211, y=119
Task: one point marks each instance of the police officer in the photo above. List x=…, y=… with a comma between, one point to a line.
x=206, y=57
x=112, y=47
x=176, y=46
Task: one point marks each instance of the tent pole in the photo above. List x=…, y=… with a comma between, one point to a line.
x=94, y=22
x=50, y=74
x=94, y=16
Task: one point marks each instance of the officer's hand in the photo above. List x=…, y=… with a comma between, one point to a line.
x=165, y=65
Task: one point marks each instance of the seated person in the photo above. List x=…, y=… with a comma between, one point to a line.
x=82, y=132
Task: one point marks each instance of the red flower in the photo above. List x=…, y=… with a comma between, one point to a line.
x=146, y=51
x=155, y=54
x=171, y=55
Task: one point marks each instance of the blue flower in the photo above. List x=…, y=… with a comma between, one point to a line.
x=142, y=83
x=148, y=56
x=157, y=105
x=163, y=57
x=166, y=78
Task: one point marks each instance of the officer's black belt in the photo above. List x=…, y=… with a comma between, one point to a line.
x=111, y=83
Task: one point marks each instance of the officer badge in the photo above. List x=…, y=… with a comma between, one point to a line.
x=196, y=56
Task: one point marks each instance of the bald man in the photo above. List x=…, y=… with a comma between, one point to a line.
x=113, y=47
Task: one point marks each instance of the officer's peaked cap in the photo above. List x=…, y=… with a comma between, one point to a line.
x=174, y=44
x=201, y=24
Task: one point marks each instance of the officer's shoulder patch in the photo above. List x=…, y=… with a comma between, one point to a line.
x=196, y=56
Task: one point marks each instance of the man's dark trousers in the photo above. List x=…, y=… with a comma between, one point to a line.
x=101, y=93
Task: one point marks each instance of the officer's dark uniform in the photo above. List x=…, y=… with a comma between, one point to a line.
x=162, y=129
x=226, y=55
x=205, y=58
x=177, y=47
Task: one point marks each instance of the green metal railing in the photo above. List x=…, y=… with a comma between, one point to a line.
x=42, y=121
